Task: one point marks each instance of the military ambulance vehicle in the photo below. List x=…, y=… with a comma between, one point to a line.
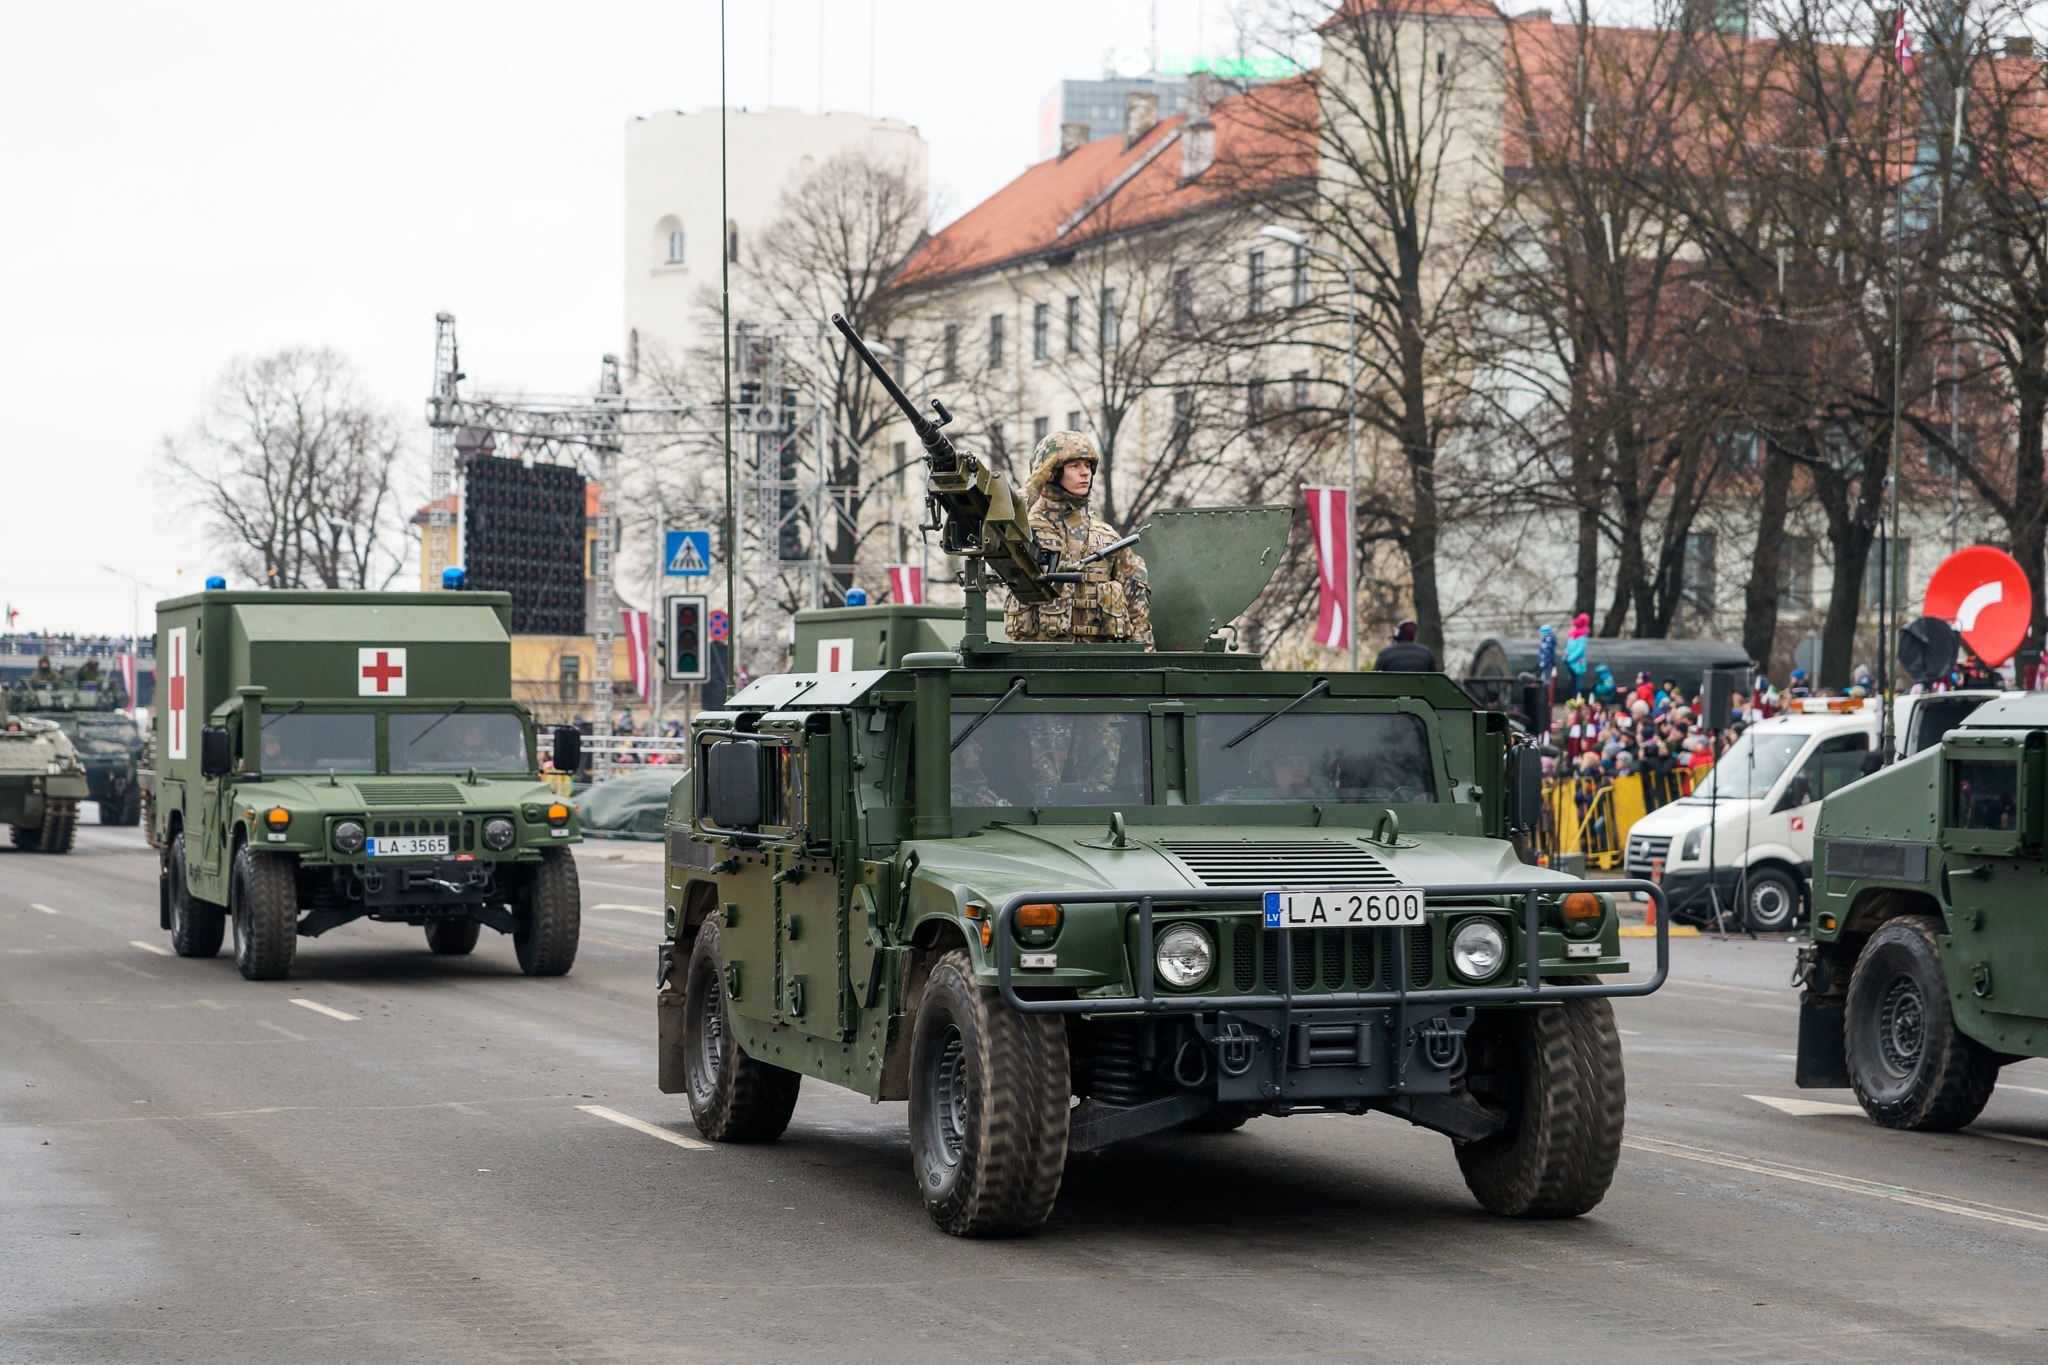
x=1752, y=819
x=93, y=715
x=1058, y=896
x=41, y=784
x=327, y=756
x=1928, y=966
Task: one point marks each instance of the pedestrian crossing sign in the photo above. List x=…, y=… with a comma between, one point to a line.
x=689, y=553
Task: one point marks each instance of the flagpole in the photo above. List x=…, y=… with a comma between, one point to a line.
x=1887, y=606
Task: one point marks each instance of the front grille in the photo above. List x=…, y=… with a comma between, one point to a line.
x=1325, y=960
x=411, y=794
x=1643, y=850
x=1421, y=958
x=1272, y=863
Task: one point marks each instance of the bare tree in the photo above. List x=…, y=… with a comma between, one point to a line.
x=294, y=470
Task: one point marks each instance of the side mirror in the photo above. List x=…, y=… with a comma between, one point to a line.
x=216, y=751
x=568, y=755
x=736, y=794
x=1525, y=788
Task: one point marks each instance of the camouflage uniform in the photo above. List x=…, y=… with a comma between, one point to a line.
x=1115, y=602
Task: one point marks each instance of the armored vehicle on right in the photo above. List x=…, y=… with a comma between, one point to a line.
x=1928, y=967
x=41, y=784
x=92, y=712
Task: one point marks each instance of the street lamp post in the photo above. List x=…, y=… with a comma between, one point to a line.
x=135, y=587
x=1295, y=239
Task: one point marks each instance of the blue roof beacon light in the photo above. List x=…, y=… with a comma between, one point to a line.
x=856, y=597
x=454, y=579
x=215, y=583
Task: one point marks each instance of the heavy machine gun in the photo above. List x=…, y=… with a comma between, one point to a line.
x=973, y=508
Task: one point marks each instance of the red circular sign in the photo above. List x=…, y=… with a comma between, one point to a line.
x=720, y=625
x=1983, y=592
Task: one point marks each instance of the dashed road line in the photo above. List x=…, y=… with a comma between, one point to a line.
x=2005, y=1137
x=1807, y=1109
x=280, y=1028
x=635, y=909
x=151, y=948
x=124, y=967
x=44, y=908
x=328, y=1010
x=628, y=1121
x=1898, y=1194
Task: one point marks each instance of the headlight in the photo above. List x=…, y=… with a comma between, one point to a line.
x=348, y=837
x=1478, y=949
x=1691, y=848
x=1184, y=956
x=498, y=833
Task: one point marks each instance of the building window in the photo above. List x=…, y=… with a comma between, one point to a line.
x=1183, y=432
x=1701, y=550
x=571, y=677
x=1900, y=555
x=1184, y=299
x=898, y=348
x=998, y=453
x=1041, y=427
x=899, y=459
x=995, y=341
x=1299, y=381
x=1108, y=319
x=950, y=357
x=1298, y=292
x=668, y=241
x=1073, y=324
x=1041, y=331
x=1795, y=574
x=1255, y=406
x=633, y=354
x=1255, y=294
x=675, y=247
x=1074, y=421
x=732, y=241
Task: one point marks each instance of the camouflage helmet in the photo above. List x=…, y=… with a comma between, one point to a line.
x=1058, y=450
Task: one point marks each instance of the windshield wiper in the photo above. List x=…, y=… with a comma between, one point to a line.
x=1016, y=685
x=430, y=729
x=1322, y=685
x=295, y=708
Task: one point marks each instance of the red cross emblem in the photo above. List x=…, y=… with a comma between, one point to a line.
x=174, y=714
x=380, y=672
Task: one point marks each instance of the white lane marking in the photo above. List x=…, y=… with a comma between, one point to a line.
x=2025, y=1089
x=636, y=909
x=2007, y=1137
x=44, y=908
x=627, y=1120
x=1807, y=1109
x=1778, y=994
x=1898, y=1194
x=280, y=1028
x=327, y=1010
x=1628, y=1033
x=124, y=967
x=618, y=886
x=150, y=948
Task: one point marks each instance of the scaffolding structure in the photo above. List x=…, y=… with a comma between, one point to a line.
x=783, y=437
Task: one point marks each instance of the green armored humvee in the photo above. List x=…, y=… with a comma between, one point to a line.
x=326, y=756
x=41, y=784
x=92, y=713
x=1928, y=965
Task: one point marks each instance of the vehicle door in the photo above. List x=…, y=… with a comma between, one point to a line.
x=1991, y=831
x=1828, y=765
x=810, y=899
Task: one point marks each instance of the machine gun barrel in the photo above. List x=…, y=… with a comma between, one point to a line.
x=937, y=448
x=1085, y=560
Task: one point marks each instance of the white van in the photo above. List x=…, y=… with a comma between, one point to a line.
x=1752, y=818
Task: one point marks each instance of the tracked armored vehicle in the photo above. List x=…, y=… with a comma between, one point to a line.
x=41, y=784
x=92, y=713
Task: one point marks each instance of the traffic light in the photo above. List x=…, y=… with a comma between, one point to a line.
x=686, y=654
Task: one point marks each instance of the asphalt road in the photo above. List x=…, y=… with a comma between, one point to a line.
x=388, y=1158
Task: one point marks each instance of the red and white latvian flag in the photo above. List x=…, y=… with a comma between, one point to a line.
x=637, y=647
x=1329, y=522
x=124, y=666
x=906, y=585
x=1902, y=43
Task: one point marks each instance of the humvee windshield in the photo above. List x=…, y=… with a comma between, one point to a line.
x=1054, y=759
x=309, y=742
x=1983, y=795
x=1341, y=758
x=450, y=741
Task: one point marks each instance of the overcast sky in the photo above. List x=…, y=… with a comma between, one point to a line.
x=187, y=184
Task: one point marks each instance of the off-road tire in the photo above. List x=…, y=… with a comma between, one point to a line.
x=733, y=1097
x=453, y=937
x=125, y=809
x=544, y=937
x=1557, y=1156
x=197, y=926
x=989, y=1094
x=263, y=901
x=1217, y=1121
x=1770, y=901
x=1909, y=1064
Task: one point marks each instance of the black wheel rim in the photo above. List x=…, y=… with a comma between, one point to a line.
x=1901, y=1025
x=945, y=1085
x=707, y=1046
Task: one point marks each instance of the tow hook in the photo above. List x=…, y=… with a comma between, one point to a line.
x=1235, y=1049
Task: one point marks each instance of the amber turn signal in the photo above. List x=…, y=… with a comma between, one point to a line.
x=1827, y=923
x=987, y=931
x=278, y=817
x=1039, y=916
x=557, y=813
x=1582, y=905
